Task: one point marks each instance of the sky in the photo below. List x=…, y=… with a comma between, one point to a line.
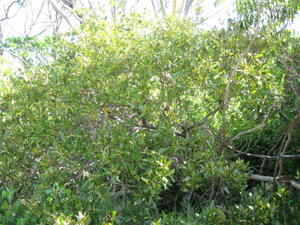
x=21, y=24
x=32, y=21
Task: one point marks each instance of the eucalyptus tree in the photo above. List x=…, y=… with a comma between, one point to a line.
x=276, y=14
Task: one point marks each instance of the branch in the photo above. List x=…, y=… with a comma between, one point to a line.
x=60, y=13
x=112, y=9
x=34, y=21
x=92, y=8
x=69, y=3
x=201, y=122
x=6, y=17
x=280, y=140
x=256, y=177
x=263, y=156
x=181, y=7
x=153, y=5
x=289, y=79
x=261, y=178
x=162, y=6
x=235, y=69
x=15, y=55
x=288, y=141
x=261, y=125
x=187, y=7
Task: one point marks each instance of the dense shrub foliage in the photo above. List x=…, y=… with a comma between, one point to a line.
x=127, y=123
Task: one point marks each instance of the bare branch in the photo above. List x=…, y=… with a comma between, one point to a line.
x=288, y=141
x=162, y=6
x=15, y=55
x=58, y=11
x=6, y=17
x=293, y=183
x=6, y=12
x=200, y=123
x=261, y=178
x=263, y=156
x=39, y=12
x=153, y=5
x=1, y=38
x=188, y=4
x=68, y=3
x=261, y=125
x=113, y=9
x=280, y=140
x=181, y=7
x=92, y=8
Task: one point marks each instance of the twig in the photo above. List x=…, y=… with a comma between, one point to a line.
x=263, y=156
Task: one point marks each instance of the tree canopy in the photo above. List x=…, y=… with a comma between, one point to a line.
x=131, y=121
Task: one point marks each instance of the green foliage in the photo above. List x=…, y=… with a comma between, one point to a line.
x=13, y=211
x=209, y=215
x=255, y=208
x=107, y=127
x=274, y=14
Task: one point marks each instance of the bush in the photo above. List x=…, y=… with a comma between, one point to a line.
x=115, y=123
